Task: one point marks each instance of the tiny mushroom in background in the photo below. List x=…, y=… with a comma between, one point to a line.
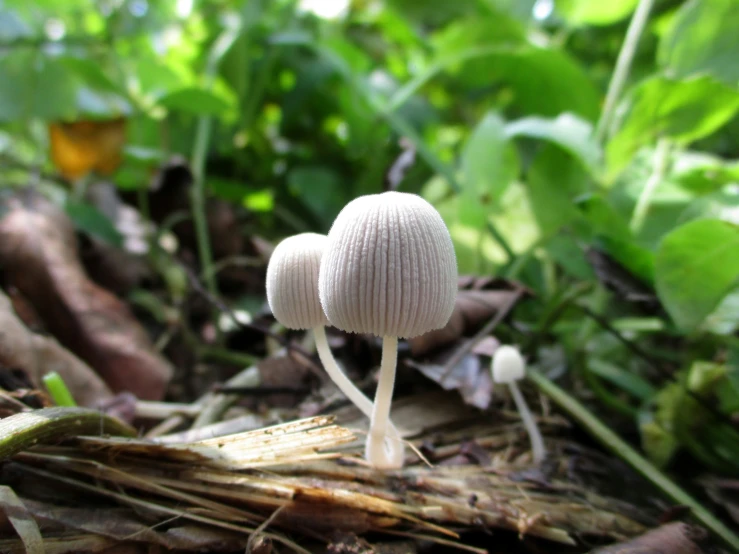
x=292, y=294
x=508, y=366
x=389, y=269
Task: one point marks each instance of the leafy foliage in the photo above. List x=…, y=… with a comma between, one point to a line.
x=501, y=103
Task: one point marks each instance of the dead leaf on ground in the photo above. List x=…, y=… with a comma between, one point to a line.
x=478, y=300
x=470, y=377
x=38, y=252
x=673, y=538
x=121, y=524
x=80, y=147
x=38, y=355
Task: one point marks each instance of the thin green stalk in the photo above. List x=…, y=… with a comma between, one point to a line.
x=200, y=152
x=58, y=390
x=623, y=66
x=623, y=450
x=197, y=198
x=661, y=160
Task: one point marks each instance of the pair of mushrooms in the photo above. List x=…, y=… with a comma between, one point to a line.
x=387, y=268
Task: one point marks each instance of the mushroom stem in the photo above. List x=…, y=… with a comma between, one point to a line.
x=352, y=392
x=383, y=451
x=537, y=442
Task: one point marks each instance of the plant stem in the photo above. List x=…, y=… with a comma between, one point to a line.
x=537, y=442
x=376, y=453
x=661, y=159
x=200, y=151
x=623, y=66
x=623, y=450
x=58, y=390
x=349, y=389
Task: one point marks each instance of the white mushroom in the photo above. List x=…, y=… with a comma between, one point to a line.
x=389, y=269
x=292, y=294
x=507, y=367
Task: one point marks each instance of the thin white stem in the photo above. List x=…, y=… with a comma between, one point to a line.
x=537, y=442
x=357, y=397
x=345, y=385
x=623, y=66
x=382, y=451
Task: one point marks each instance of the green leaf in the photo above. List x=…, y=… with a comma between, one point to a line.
x=704, y=38
x=320, y=189
x=703, y=173
x=553, y=181
x=196, y=101
x=489, y=163
x=682, y=110
x=90, y=220
x=569, y=131
x=696, y=267
x=589, y=12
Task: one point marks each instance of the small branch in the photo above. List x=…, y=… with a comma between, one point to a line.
x=465, y=349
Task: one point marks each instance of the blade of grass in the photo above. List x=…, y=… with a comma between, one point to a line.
x=58, y=390
x=623, y=450
x=200, y=151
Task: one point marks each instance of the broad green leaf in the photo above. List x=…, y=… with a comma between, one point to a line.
x=26, y=92
x=553, y=181
x=565, y=250
x=684, y=110
x=696, y=267
x=488, y=162
x=703, y=173
x=90, y=220
x=320, y=189
x=196, y=101
x=593, y=12
x=567, y=130
x=704, y=38
x=536, y=81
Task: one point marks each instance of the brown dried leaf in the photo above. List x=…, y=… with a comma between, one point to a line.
x=470, y=377
x=673, y=538
x=476, y=303
x=121, y=524
x=37, y=355
x=39, y=254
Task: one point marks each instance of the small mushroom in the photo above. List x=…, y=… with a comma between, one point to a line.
x=389, y=269
x=507, y=367
x=292, y=294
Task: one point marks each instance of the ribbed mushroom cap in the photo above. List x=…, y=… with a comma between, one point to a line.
x=389, y=268
x=292, y=281
x=508, y=365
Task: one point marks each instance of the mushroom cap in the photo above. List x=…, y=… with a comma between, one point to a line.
x=389, y=268
x=508, y=365
x=292, y=281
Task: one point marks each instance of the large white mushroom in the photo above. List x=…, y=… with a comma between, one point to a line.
x=389, y=269
x=292, y=294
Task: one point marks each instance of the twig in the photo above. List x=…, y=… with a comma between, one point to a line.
x=463, y=350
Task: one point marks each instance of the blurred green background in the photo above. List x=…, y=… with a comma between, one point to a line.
x=568, y=144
